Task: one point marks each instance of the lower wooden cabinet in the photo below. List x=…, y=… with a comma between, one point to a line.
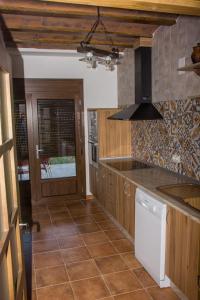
x=94, y=180
x=125, y=213
x=182, y=253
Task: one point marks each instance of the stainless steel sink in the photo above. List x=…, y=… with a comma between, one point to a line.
x=187, y=193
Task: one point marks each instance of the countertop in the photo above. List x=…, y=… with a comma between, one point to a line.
x=150, y=178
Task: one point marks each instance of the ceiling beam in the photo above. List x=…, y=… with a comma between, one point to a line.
x=63, y=25
x=41, y=8
x=185, y=7
x=64, y=39
x=40, y=45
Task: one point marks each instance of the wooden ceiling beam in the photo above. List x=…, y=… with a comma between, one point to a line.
x=37, y=45
x=185, y=7
x=66, y=39
x=79, y=11
x=63, y=25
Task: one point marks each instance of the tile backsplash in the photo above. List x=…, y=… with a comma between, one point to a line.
x=178, y=134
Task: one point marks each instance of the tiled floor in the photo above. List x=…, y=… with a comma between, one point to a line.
x=81, y=255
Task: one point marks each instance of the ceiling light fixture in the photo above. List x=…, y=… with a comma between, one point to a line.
x=95, y=56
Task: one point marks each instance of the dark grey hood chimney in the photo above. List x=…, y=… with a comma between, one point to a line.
x=143, y=109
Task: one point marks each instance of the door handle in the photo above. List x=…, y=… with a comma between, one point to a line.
x=38, y=151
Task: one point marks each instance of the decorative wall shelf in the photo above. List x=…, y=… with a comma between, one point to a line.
x=193, y=67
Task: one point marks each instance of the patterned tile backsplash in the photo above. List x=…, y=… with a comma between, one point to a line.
x=179, y=133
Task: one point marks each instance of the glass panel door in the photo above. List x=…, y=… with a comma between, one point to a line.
x=56, y=147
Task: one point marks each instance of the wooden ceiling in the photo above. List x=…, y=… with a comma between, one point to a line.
x=51, y=25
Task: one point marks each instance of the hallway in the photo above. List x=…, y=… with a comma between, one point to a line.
x=80, y=254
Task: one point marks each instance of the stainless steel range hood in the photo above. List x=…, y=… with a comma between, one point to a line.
x=143, y=109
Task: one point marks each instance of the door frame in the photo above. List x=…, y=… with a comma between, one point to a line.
x=57, y=88
x=11, y=256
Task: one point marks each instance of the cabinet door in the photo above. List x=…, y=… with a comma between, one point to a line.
x=129, y=207
x=182, y=252
x=92, y=180
x=102, y=185
x=111, y=192
x=125, y=213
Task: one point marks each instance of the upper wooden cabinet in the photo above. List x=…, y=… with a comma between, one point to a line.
x=182, y=253
x=114, y=137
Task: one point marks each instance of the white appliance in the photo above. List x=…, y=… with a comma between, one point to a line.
x=150, y=235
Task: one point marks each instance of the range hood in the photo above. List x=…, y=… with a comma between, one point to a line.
x=143, y=109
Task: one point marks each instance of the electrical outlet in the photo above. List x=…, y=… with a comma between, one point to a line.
x=176, y=158
x=181, y=64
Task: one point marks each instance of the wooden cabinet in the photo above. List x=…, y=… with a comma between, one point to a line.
x=182, y=253
x=111, y=187
x=102, y=185
x=94, y=181
x=114, y=138
x=125, y=211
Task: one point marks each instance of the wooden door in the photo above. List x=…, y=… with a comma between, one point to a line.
x=102, y=185
x=182, y=252
x=56, y=138
x=12, y=278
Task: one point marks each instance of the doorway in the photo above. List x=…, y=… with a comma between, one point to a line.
x=55, y=131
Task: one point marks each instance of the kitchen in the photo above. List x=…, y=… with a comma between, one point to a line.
x=136, y=236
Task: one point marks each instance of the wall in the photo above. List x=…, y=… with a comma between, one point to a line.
x=179, y=133
x=100, y=86
x=126, y=79
x=170, y=44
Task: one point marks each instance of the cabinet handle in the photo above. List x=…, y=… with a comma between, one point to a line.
x=125, y=191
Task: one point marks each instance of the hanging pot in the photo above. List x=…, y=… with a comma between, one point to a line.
x=196, y=54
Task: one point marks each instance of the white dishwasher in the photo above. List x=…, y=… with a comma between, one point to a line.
x=150, y=235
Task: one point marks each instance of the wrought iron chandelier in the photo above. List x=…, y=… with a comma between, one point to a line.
x=95, y=56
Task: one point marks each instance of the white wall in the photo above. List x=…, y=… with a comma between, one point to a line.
x=100, y=86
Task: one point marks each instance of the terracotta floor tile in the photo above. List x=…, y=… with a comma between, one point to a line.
x=131, y=260
x=83, y=219
x=79, y=212
x=90, y=289
x=66, y=229
x=55, y=292
x=81, y=270
x=39, y=209
x=105, y=225
x=37, y=236
x=34, y=297
x=123, y=245
x=100, y=217
x=51, y=276
x=44, y=227
x=75, y=255
x=122, y=282
x=70, y=241
x=111, y=264
x=41, y=217
x=88, y=228
x=44, y=246
x=60, y=216
x=114, y=234
x=95, y=238
x=49, y=259
x=138, y=295
x=56, y=203
x=63, y=222
x=76, y=205
x=162, y=294
x=144, y=277
x=56, y=209
x=98, y=250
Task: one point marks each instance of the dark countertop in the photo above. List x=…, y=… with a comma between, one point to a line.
x=149, y=179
